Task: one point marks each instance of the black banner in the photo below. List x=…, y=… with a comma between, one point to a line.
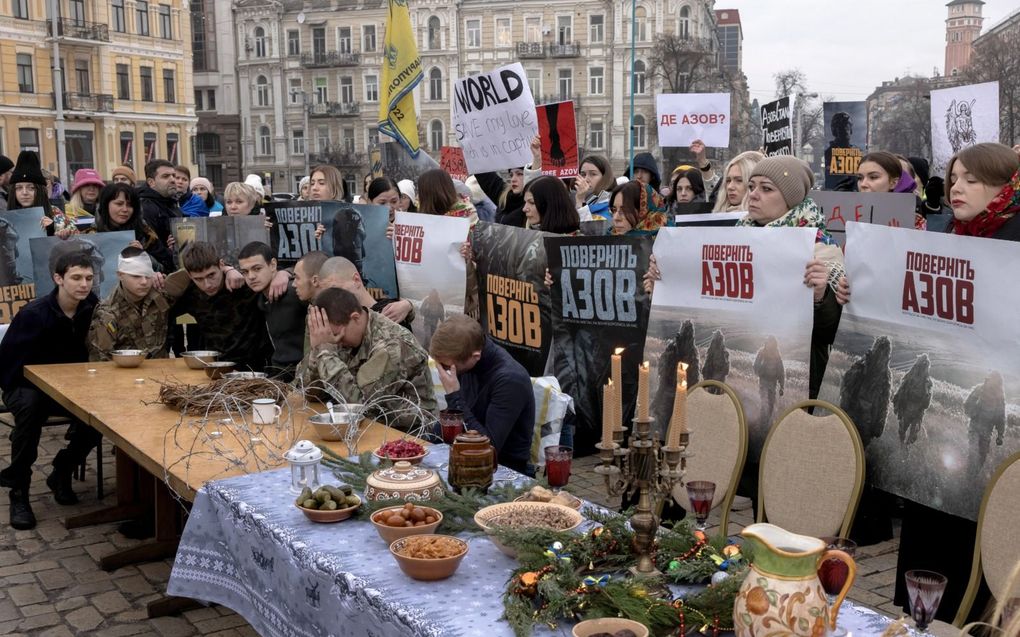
x=293, y=232
x=776, y=128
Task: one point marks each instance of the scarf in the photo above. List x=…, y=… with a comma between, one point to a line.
x=1001, y=209
x=806, y=214
x=651, y=212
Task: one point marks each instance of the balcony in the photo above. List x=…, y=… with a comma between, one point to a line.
x=558, y=97
x=81, y=30
x=570, y=50
x=329, y=59
x=334, y=109
x=340, y=157
x=530, y=50
x=90, y=102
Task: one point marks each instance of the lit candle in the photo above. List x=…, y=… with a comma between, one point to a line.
x=642, y=392
x=678, y=422
x=607, y=413
x=617, y=387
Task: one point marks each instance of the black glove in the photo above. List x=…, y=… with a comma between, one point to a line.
x=934, y=190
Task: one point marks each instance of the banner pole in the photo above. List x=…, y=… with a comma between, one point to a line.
x=630, y=128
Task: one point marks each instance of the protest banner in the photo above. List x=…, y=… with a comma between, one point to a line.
x=493, y=116
x=777, y=127
x=293, y=232
x=707, y=311
x=227, y=234
x=357, y=232
x=598, y=306
x=847, y=122
x=685, y=117
x=17, y=277
x=451, y=159
x=693, y=208
x=558, y=130
x=960, y=117
x=103, y=249
x=431, y=272
x=921, y=362
x=708, y=219
x=894, y=209
x=514, y=301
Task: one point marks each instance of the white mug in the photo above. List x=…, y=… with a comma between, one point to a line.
x=265, y=411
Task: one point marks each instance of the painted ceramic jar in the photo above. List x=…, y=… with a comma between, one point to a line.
x=404, y=481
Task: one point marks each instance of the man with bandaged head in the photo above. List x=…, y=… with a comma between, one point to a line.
x=133, y=316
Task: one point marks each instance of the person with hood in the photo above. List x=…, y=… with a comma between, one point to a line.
x=84, y=193
x=408, y=196
x=717, y=359
x=203, y=189
x=159, y=197
x=912, y=399
x=865, y=389
x=646, y=170
x=768, y=366
x=986, y=409
x=6, y=169
x=679, y=349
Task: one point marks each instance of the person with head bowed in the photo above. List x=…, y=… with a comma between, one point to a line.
x=203, y=189
x=595, y=181
x=383, y=191
x=547, y=207
x=736, y=175
x=338, y=272
x=438, y=196
x=120, y=209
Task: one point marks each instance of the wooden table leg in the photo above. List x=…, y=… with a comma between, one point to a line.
x=130, y=479
x=168, y=534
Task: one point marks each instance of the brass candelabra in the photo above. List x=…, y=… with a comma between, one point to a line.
x=653, y=470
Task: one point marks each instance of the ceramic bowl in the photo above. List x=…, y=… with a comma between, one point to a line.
x=197, y=359
x=404, y=481
x=609, y=625
x=413, y=459
x=332, y=428
x=488, y=518
x=393, y=533
x=424, y=569
x=216, y=370
x=127, y=357
x=244, y=375
x=327, y=517
x=575, y=502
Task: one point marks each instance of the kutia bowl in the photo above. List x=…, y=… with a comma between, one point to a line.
x=608, y=625
x=575, y=502
x=425, y=569
x=328, y=517
x=333, y=427
x=413, y=459
x=198, y=359
x=391, y=534
x=127, y=357
x=487, y=519
x=216, y=370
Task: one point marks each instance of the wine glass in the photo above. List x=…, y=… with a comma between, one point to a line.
x=832, y=572
x=557, y=465
x=924, y=590
x=451, y=421
x=700, y=493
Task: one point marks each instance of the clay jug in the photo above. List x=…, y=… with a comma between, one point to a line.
x=781, y=594
x=472, y=461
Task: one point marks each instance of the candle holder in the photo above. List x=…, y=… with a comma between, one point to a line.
x=651, y=469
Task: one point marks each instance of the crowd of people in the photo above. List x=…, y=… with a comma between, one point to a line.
x=316, y=322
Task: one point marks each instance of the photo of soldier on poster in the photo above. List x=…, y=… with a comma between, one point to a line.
x=17, y=278
x=846, y=123
x=357, y=232
x=102, y=248
x=514, y=301
x=598, y=306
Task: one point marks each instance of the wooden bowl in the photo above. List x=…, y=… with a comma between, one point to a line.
x=328, y=517
x=216, y=370
x=486, y=516
x=393, y=533
x=198, y=359
x=609, y=625
x=413, y=459
x=575, y=502
x=425, y=569
x=127, y=357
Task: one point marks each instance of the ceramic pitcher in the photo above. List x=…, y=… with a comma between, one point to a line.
x=782, y=594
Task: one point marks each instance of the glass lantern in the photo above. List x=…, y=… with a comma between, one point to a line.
x=304, y=458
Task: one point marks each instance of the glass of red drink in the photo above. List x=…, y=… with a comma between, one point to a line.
x=557, y=465
x=924, y=590
x=833, y=572
x=700, y=493
x=452, y=423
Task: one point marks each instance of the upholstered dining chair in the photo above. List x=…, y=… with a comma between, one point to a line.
x=812, y=471
x=718, y=444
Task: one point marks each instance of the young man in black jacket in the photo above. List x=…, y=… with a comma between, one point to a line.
x=492, y=389
x=48, y=330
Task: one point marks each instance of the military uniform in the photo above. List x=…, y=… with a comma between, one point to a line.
x=389, y=362
x=120, y=323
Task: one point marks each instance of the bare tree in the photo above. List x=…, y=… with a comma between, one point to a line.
x=997, y=58
x=903, y=122
x=790, y=82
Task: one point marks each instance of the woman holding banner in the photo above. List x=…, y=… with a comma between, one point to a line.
x=383, y=191
x=880, y=171
x=119, y=209
x=325, y=184
x=509, y=198
x=595, y=181
x=732, y=196
x=27, y=189
x=547, y=207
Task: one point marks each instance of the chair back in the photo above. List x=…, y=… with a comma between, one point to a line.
x=718, y=444
x=812, y=471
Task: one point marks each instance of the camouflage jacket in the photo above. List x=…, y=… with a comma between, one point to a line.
x=389, y=362
x=119, y=323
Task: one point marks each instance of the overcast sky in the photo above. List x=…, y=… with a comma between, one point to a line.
x=846, y=49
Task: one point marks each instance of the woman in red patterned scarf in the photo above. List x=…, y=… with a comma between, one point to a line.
x=983, y=188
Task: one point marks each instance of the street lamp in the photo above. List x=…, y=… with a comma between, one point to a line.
x=307, y=133
x=798, y=109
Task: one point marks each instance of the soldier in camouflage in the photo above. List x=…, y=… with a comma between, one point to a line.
x=364, y=356
x=133, y=316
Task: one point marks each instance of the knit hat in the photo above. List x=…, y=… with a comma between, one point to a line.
x=304, y=182
x=202, y=181
x=28, y=169
x=462, y=189
x=86, y=177
x=792, y=176
x=406, y=187
x=477, y=194
x=126, y=172
x=255, y=182
x=5, y=164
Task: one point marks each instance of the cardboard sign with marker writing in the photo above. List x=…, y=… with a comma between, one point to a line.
x=451, y=159
x=685, y=117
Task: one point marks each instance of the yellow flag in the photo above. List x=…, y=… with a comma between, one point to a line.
x=401, y=72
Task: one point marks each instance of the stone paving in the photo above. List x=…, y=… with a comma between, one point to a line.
x=51, y=584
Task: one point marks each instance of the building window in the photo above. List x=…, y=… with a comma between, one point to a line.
x=123, y=82
x=504, y=35
x=199, y=50
x=172, y=148
x=169, y=92
x=81, y=77
x=638, y=85
x=297, y=142
x=165, y=27
x=199, y=100
x=436, y=136
x=142, y=17
x=28, y=139
x=368, y=38
x=293, y=42
x=26, y=83
x=535, y=82
x=596, y=76
x=260, y=42
x=127, y=148
x=343, y=39
x=372, y=138
x=210, y=99
x=565, y=82
x=474, y=33
x=642, y=24
x=146, y=75
x=20, y=9
x=564, y=29
x=119, y=19
x=321, y=90
x=346, y=89
x=596, y=136
x=435, y=84
x=265, y=141
x=435, y=38
x=149, y=144
x=596, y=32
x=322, y=139
x=77, y=12
x=319, y=42
x=350, y=183
x=639, y=131
x=261, y=91
x=207, y=144
x=533, y=29
x=371, y=88
x=684, y=28
x=348, y=138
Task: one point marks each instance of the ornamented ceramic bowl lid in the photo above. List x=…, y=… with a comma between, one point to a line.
x=403, y=476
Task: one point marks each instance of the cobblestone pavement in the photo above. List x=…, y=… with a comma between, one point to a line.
x=51, y=584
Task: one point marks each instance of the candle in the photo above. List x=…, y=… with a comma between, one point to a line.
x=617, y=378
x=607, y=413
x=642, y=392
x=678, y=422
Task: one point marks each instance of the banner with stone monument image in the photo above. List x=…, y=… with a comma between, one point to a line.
x=17, y=276
x=227, y=234
x=732, y=304
x=925, y=362
x=103, y=249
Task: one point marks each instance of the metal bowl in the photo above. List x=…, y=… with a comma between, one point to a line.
x=216, y=370
x=127, y=357
x=244, y=375
x=335, y=426
x=198, y=358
